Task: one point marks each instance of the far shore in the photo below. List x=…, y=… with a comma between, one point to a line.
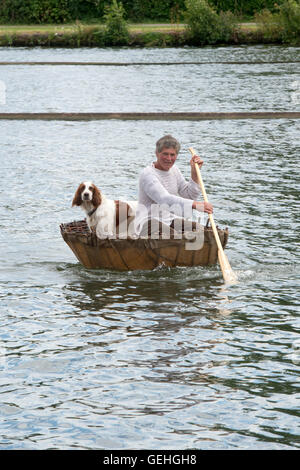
x=89, y=35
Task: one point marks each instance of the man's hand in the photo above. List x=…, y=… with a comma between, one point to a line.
x=195, y=159
x=203, y=207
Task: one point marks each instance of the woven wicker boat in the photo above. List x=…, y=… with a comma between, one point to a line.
x=141, y=253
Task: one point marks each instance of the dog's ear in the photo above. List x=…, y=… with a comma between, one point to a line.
x=77, y=201
x=97, y=199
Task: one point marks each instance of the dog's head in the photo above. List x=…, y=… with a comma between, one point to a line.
x=87, y=192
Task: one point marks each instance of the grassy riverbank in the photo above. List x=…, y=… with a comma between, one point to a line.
x=91, y=35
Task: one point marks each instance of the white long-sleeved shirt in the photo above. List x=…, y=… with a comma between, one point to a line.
x=164, y=195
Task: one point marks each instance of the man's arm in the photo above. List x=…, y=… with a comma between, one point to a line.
x=181, y=206
x=187, y=189
x=191, y=190
x=158, y=194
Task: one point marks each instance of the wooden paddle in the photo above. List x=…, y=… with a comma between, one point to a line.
x=228, y=274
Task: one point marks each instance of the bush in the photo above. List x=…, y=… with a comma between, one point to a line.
x=244, y=7
x=85, y=9
x=289, y=19
x=156, y=39
x=34, y=11
x=228, y=22
x=205, y=26
x=42, y=11
x=151, y=9
x=268, y=24
x=48, y=11
x=284, y=25
x=116, y=30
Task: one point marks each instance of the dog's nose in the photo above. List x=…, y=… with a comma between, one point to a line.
x=86, y=195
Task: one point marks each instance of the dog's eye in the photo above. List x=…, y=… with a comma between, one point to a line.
x=91, y=188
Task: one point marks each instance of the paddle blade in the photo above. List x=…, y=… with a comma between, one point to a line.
x=228, y=274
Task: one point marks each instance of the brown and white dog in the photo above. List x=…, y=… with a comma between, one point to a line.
x=108, y=218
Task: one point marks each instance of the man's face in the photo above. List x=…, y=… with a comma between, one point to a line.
x=165, y=159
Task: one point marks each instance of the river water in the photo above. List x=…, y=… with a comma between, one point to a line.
x=168, y=359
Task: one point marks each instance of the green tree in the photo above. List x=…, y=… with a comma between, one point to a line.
x=205, y=25
x=116, y=30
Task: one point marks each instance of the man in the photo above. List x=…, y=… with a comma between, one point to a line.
x=166, y=199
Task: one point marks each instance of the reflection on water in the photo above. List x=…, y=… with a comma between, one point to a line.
x=172, y=358
x=121, y=289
